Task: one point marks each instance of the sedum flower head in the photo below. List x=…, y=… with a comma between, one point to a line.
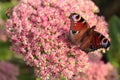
x=8, y=71
x=38, y=29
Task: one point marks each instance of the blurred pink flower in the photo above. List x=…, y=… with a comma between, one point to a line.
x=3, y=35
x=8, y=71
x=99, y=71
x=1, y=22
x=113, y=73
x=38, y=29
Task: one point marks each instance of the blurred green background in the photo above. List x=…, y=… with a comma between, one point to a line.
x=108, y=8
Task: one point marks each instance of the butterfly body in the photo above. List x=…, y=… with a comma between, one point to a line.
x=87, y=38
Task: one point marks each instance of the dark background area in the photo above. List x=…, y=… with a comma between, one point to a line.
x=108, y=8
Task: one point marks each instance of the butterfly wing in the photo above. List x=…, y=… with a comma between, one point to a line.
x=78, y=28
x=87, y=39
x=99, y=41
x=93, y=40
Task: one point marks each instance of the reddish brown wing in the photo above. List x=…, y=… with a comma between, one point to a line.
x=94, y=40
x=99, y=41
x=82, y=28
x=87, y=39
x=78, y=28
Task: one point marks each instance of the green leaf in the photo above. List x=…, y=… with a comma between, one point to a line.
x=114, y=31
x=25, y=72
x=3, y=8
x=5, y=53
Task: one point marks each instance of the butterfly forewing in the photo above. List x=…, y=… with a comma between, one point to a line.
x=79, y=28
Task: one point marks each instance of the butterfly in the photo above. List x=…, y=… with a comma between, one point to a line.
x=85, y=36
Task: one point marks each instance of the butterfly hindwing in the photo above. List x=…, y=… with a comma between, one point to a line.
x=99, y=41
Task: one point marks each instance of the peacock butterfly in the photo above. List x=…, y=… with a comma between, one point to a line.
x=85, y=36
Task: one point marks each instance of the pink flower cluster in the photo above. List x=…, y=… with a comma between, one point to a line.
x=100, y=71
x=8, y=71
x=38, y=29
